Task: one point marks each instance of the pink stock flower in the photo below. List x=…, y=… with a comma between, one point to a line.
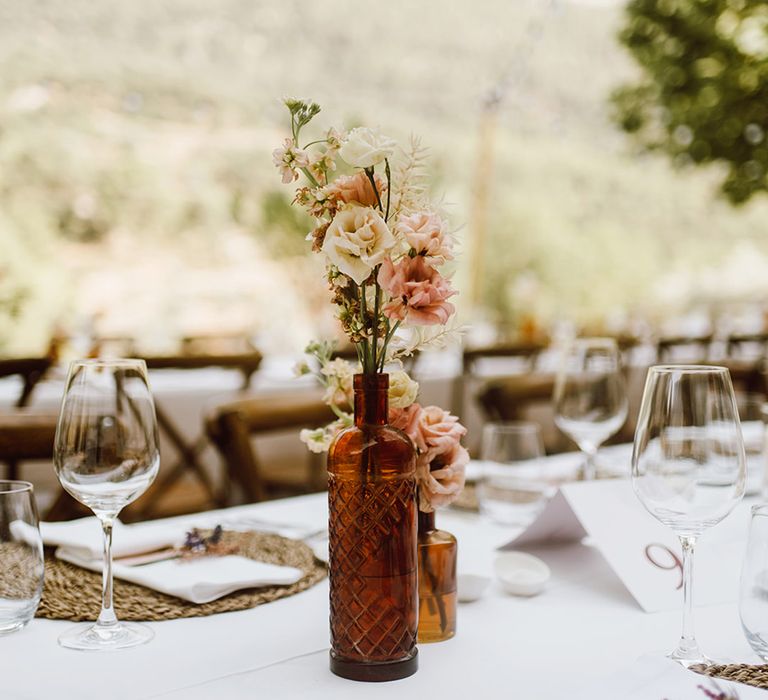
x=287, y=159
x=425, y=233
x=442, y=478
x=356, y=188
x=418, y=292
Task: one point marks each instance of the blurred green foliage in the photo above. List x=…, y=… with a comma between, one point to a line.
x=136, y=179
x=703, y=97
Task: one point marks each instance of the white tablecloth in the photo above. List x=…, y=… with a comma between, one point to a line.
x=583, y=628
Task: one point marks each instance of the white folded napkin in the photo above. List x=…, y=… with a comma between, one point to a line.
x=83, y=537
x=198, y=580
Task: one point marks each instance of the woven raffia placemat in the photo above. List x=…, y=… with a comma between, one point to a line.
x=748, y=674
x=72, y=593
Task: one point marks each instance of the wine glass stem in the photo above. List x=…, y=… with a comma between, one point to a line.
x=590, y=469
x=107, y=617
x=688, y=638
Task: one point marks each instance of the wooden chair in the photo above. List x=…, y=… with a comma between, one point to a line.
x=516, y=398
x=217, y=344
x=506, y=399
x=232, y=427
x=698, y=345
x=30, y=369
x=244, y=362
x=748, y=377
x=188, y=460
x=472, y=359
x=30, y=437
x=739, y=345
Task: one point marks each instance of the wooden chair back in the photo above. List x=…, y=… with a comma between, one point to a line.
x=507, y=399
x=30, y=437
x=472, y=359
x=666, y=348
x=232, y=427
x=739, y=345
x=30, y=369
x=246, y=363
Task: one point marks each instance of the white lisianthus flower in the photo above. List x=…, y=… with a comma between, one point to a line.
x=339, y=390
x=402, y=390
x=357, y=240
x=318, y=440
x=364, y=147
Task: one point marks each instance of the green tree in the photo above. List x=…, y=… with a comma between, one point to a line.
x=703, y=95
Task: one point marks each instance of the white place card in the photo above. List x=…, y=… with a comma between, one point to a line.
x=643, y=553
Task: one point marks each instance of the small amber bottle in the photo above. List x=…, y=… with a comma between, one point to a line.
x=437, y=581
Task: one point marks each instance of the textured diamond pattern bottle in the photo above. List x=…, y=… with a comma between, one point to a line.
x=372, y=543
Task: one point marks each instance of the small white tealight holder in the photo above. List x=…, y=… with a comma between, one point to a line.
x=521, y=574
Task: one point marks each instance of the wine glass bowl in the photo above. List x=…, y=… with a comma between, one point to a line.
x=590, y=398
x=688, y=463
x=106, y=455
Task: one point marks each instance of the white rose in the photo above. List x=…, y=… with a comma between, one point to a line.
x=364, y=147
x=402, y=390
x=357, y=240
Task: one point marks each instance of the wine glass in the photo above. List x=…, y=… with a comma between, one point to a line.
x=513, y=488
x=688, y=464
x=106, y=455
x=590, y=396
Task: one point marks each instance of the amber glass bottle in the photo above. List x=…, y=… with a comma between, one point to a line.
x=372, y=542
x=437, y=581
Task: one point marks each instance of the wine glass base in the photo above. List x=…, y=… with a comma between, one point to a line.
x=122, y=635
x=692, y=656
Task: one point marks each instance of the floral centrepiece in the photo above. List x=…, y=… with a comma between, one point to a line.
x=385, y=245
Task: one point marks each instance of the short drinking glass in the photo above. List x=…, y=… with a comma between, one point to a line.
x=590, y=396
x=21, y=556
x=688, y=464
x=753, y=602
x=513, y=488
x=106, y=455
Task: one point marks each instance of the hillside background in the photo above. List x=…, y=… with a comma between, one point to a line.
x=137, y=194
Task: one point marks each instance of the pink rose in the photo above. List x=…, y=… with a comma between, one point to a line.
x=407, y=420
x=441, y=485
x=356, y=188
x=437, y=431
x=418, y=292
x=425, y=233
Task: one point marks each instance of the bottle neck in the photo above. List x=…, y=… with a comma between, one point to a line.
x=371, y=399
x=426, y=521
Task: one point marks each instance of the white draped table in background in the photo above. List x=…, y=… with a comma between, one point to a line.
x=582, y=630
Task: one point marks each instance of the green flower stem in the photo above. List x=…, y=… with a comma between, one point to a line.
x=310, y=177
x=366, y=351
x=387, y=338
x=369, y=173
x=312, y=143
x=389, y=186
x=375, y=326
